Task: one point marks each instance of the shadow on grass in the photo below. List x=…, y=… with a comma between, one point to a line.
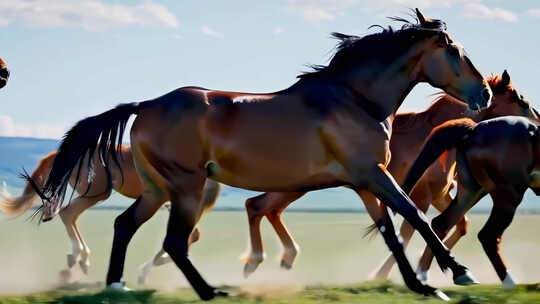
x=110, y=296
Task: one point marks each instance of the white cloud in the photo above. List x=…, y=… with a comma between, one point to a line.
x=482, y=12
x=8, y=127
x=327, y=10
x=205, y=29
x=534, y=12
x=87, y=14
x=277, y=30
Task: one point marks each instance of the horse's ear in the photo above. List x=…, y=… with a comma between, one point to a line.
x=505, y=78
x=420, y=17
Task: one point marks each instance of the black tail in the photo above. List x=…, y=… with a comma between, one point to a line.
x=102, y=133
x=442, y=138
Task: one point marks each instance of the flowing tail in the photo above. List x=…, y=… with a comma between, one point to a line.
x=444, y=137
x=103, y=134
x=17, y=205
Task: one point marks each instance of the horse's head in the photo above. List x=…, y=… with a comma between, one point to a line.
x=507, y=100
x=4, y=74
x=445, y=65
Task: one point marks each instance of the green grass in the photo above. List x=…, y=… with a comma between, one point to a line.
x=380, y=292
x=333, y=254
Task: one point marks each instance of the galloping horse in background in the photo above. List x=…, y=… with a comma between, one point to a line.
x=335, y=123
x=126, y=183
x=4, y=73
x=499, y=157
x=409, y=133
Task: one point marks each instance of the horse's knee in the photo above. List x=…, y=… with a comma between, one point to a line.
x=253, y=207
x=175, y=246
x=439, y=225
x=462, y=226
x=489, y=241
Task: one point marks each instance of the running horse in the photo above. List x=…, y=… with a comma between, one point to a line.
x=499, y=157
x=331, y=128
x=99, y=189
x=4, y=73
x=409, y=133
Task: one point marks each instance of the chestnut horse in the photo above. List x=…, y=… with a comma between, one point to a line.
x=331, y=128
x=409, y=133
x=499, y=157
x=126, y=183
x=4, y=74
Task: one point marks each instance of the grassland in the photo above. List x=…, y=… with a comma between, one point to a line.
x=334, y=262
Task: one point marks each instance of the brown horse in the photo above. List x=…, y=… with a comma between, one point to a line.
x=499, y=157
x=409, y=133
x=126, y=183
x=4, y=73
x=331, y=128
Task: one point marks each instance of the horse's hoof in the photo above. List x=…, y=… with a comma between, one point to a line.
x=285, y=265
x=440, y=295
x=118, y=286
x=249, y=268
x=220, y=293
x=465, y=279
x=65, y=276
x=422, y=275
x=212, y=294
x=71, y=260
x=508, y=282
x=84, y=266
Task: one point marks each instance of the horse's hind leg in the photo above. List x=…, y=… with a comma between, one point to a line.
x=162, y=258
x=384, y=187
x=502, y=214
x=383, y=219
x=185, y=213
x=270, y=205
x=125, y=226
x=69, y=216
x=468, y=195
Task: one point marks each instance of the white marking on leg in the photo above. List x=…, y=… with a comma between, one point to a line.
x=508, y=281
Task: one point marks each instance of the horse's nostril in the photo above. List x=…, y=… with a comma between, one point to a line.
x=486, y=94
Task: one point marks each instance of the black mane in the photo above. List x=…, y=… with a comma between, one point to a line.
x=383, y=45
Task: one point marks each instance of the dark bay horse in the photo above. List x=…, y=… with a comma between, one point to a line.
x=4, y=73
x=499, y=157
x=331, y=128
x=409, y=133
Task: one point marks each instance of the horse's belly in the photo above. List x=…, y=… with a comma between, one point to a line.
x=276, y=177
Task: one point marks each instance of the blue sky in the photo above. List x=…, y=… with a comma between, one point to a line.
x=74, y=58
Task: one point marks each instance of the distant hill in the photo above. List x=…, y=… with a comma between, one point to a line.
x=17, y=153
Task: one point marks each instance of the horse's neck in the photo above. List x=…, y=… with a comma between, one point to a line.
x=385, y=85
x=448, y=108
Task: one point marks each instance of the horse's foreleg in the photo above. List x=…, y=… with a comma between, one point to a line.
x=385, y=188
x=502, y=214
x=125, y=226
x=422, y=198
x=383, y=219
